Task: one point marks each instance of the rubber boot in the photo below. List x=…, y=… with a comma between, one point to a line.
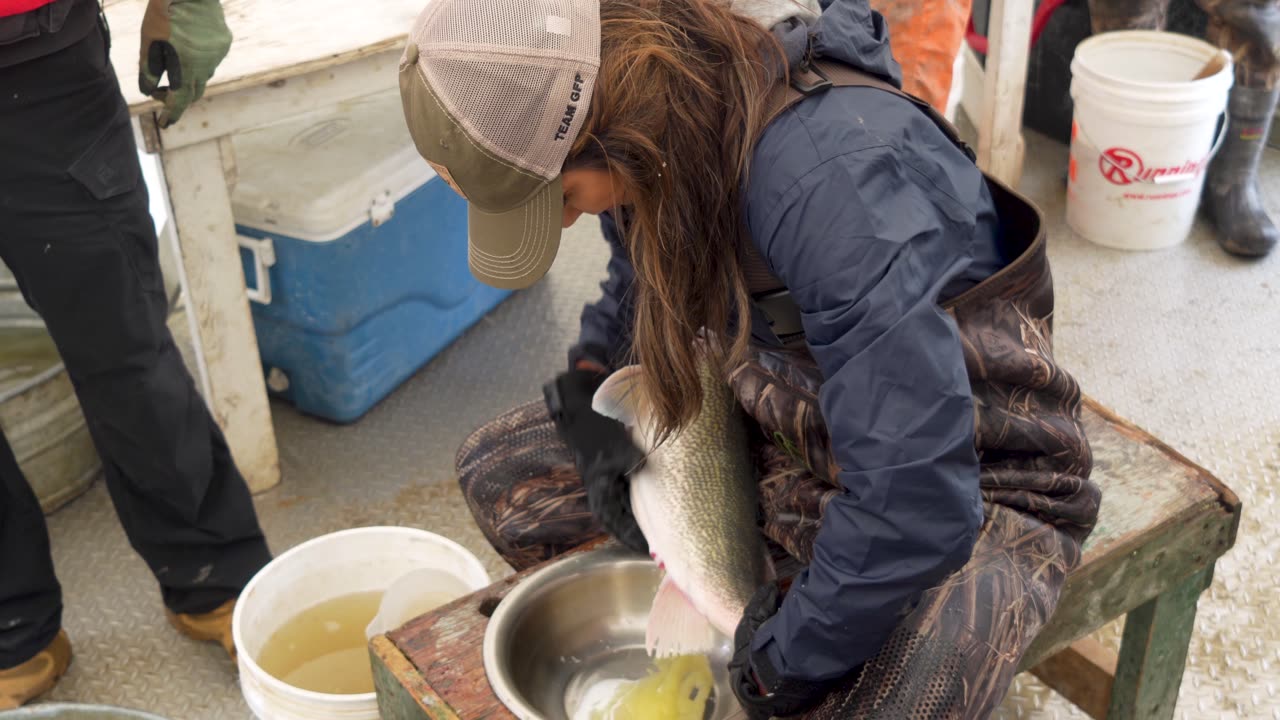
x=213, y=626
x=37, y=676
x=1231, y=200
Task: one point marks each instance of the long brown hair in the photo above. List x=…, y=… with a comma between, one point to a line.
x=678, y=104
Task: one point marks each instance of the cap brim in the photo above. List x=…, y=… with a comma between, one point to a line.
x=514, y=249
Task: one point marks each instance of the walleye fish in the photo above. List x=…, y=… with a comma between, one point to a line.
x=695, y=501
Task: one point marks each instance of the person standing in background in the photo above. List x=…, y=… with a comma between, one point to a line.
x=76, y=232
x=926, y=37
x=1250, y=31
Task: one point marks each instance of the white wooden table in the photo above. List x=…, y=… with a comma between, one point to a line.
x=288, y=57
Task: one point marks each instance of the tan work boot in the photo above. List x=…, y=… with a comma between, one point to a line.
x=37, y=676
x=214, y=626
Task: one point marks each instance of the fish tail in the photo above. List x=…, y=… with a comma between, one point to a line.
x=618, y=398
x=675, y=625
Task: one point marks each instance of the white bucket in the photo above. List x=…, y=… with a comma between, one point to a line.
x=1142, y=136
x=350, y=561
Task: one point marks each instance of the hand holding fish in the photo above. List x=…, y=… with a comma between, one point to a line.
x=760, y=690
x=603, y=452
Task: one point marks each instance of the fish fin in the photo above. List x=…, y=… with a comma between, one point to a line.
x=675, y=625
x=618, y=397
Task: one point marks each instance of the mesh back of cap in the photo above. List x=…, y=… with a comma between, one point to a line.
x=512, y=72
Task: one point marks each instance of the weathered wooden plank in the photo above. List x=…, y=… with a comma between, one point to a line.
x=1162, y=518
x=1198, y=476
x=402, y=693
x=1153, y=652
x=216, y=296
x=302, y=93
x=272, y=40
x=1142, y=485
x=1000, y=144
x=1106, y=587
x=1083, y=673
x=973, y=86
x=446, y=647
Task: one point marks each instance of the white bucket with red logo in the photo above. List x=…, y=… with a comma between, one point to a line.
x=1142, y=137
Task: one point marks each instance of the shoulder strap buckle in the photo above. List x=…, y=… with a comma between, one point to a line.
x=807, y=88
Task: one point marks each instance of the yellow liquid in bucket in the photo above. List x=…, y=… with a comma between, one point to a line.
x=323, y=648
x=678, y=689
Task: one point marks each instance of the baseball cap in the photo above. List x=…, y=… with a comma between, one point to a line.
x=495, y=92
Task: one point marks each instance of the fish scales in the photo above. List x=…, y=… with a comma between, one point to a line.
x=695, y=500
x=710, y=490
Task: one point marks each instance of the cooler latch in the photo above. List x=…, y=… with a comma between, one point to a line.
x=263, y=252
x=381, y=209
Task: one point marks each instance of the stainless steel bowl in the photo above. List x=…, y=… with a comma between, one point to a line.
x=566, y=632
x=65, y=711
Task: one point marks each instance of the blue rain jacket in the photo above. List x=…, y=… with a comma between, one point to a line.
x=871, y=218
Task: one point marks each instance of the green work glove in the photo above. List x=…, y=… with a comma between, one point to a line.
x=186, y=38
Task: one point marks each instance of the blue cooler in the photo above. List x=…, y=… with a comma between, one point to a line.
x=355, y=255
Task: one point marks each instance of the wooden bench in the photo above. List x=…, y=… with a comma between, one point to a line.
x=1164, y=523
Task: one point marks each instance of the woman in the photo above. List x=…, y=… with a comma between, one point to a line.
x=882, y=314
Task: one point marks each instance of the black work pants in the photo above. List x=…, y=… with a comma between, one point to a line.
x=76, y=232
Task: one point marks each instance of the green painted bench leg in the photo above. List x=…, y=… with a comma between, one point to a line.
x=1153, y=652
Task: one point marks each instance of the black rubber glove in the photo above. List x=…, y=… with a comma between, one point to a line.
x=602, y=450
x=755, y=682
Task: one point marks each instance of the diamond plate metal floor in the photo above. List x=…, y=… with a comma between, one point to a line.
x=1184, y=342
